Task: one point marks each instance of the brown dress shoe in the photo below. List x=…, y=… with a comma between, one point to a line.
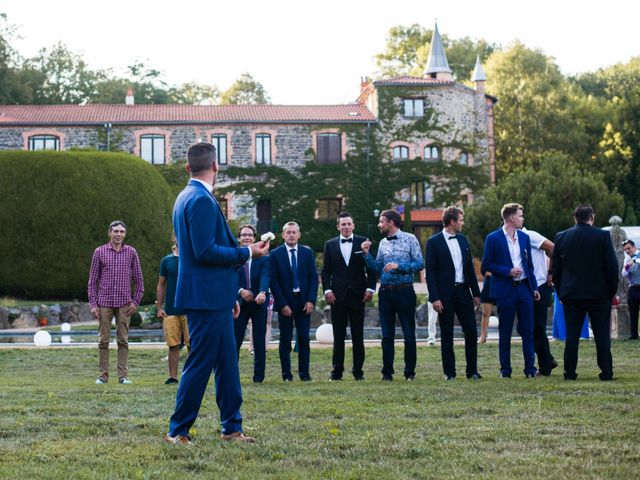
x=183, y=439
x=238, y=437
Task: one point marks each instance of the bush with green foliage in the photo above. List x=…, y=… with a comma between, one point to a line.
x=56, y=209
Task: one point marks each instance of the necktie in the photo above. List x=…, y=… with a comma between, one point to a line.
x=294, y=269
x=394, y=237
x=247, y=278
x=345, y=240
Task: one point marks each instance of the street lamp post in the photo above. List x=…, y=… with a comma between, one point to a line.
x=108, y=127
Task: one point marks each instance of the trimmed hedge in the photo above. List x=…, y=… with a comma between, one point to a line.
x=55, y=209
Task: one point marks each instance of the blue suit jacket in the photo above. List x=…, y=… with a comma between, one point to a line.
x=497, y=260
x=209, y=255
x=282, y=276
x=259, y=276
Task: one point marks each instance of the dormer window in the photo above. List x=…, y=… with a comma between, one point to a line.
x=414, y=107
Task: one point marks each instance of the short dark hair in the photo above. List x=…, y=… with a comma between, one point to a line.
x=250, y=227
x=200, y=157
x=451, y=213
x=583, y=213
x=392, y=216
x=628, y=241
x=116, y=223
x=509, y=209
x=343, y=214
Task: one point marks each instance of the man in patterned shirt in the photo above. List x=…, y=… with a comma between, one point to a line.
x=112, y=268
x=399, y=257
x=631, y=271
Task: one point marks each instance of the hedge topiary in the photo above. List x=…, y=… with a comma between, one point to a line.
x=55, y=209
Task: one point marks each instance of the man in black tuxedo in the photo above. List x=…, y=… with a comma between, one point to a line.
x=347, y=283
x=453, y=288
x=585, y=272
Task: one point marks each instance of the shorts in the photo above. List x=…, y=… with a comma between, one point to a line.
x=175, y=328
x=485, y=295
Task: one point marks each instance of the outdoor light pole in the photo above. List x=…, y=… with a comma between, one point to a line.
x=108, y=127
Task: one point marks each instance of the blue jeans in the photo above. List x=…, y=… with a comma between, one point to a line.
x=400, y=302
x=521, y=302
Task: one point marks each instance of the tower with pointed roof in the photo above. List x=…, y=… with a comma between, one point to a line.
x=437, y=64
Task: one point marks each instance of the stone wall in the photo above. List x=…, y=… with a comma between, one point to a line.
x=29, y=317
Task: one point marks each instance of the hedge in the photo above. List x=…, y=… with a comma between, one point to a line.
x=55, y=209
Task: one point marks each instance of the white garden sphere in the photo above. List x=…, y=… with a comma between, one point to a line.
x=324, y=333
x=493, y=321
x=65, y=339
x=42, y=339
x=65, y=327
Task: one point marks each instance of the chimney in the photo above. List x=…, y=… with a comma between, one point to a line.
x=129, y=98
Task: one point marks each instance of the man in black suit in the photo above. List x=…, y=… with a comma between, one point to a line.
x=585, y=272
x=453, y=288
x=347, y=285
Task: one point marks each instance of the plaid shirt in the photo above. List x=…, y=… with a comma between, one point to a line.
x=110, y=277
x=405, y=251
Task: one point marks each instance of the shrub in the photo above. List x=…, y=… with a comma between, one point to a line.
x=56, y=209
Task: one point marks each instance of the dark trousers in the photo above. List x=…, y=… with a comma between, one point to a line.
x=600, y=317
x=521, y=302
x=540, y=340
x=633, y=300
x=462, y=305
x=400, y=302
x=213, y=348
x=302, y=322
x=258, y=316
x=348, y=311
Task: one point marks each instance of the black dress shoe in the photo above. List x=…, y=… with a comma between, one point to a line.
x=605, y=377
x=335, y=379
x=359, y=378
x=475, y=376
x=554, y=364
x=306, y=379
x=387, y=378
x=570, y=376
x=450, y=377
x=410, y=378
x=505, y=375
x=287, y=379
x=530, y=375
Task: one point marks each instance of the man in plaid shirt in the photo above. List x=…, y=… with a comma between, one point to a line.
x=112, y=268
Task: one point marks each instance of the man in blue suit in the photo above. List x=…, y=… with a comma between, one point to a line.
x=207, y=287
x=453, y=289
x=507, y=255
x=253, y=296
x=294, y=284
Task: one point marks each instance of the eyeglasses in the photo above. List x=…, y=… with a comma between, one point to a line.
x=247, y=235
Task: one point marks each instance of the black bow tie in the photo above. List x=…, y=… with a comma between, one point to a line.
x=345, y=240
x=394, y=237
x=452, y=237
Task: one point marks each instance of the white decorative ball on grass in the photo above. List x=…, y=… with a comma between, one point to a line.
x=324, y=333
x=65, y=327
x=42, y=339
x=493, y=321
x=65, y=339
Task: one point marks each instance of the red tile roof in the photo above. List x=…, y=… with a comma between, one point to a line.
x=430, y=215
x=408, y=80
x=181, y=114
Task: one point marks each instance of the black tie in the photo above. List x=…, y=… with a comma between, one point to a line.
x=452, y=237
x=394, y=237
x=345, y=240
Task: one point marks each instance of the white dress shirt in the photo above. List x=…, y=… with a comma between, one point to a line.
x=456, y=255
x=514, y=251
x=345, y=248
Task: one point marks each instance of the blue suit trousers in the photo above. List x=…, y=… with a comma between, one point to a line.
x=521, y=302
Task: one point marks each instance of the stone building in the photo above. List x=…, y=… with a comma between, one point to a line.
x=458, y=120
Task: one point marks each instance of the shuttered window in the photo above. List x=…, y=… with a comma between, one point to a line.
x=329, y=148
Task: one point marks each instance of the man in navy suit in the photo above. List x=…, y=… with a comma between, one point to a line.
x=348, y=283
x=507, y=255
x=294, y=284
x=453, y=288
x=207, y=287
x=253, y=294
x=585, y=271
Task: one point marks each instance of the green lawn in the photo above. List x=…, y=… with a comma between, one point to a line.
x=55, y=423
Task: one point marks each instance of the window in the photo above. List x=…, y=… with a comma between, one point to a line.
x=44, y=142
x=224, y=206
x=329, y=148
x=263, y=149
x=152, y=149
x=219, y=140
x=414, y=107
x=463, y=158
x=421, y=193
x=432, y=153
x=263, y=211
x=329, y=208
x=400, y=153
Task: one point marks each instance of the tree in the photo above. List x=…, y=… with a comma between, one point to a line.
x=195, y=94
x=245, y=91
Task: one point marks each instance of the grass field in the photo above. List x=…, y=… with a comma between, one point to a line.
x=55, y=423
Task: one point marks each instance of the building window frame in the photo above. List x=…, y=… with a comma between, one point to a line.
x=28, y=138
x=401, y=151
x=137, y=147
x=158, y=151
x=263, y=151
x=421, y=193
x=413, y=107
x=432, y=153
x=329, y=131
x=44, y=142
x=220, y=141
x=328, y=208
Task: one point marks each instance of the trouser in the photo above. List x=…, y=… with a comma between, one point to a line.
x=122, y=337
x=519, y=301
x=400, y=302
x=540, y=340
x=302, y=323
x=461, y=304
x=348, y=311
x=258, y=316
x=633, y=300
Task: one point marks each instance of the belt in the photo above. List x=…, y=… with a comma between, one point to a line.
x=460, y=284
x=396, y=287
x=296, y=294
x=634, y=286
x=515, y=283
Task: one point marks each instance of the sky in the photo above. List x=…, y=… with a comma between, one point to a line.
x=311, y=52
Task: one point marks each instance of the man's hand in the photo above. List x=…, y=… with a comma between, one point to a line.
x=366, y=246
x=260, y=298
x=236, y=310
x=160, y=313
x=95, y=311
x=286, y=311
x=246, y=295
x=476, y=302
x=368, y=296
x=259, y=249
x=390, y=266
x=515, y=272
x=330, y=298
x=437, y=306
x=308, y=308
x=536, y=296
x=131, y=309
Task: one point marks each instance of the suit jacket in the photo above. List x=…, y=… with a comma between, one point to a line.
x=584, y=264
x=209, y=256
x=282, y=276
x=338, y=277
x=440, y=271
x=259, y=277
x=497, y=260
